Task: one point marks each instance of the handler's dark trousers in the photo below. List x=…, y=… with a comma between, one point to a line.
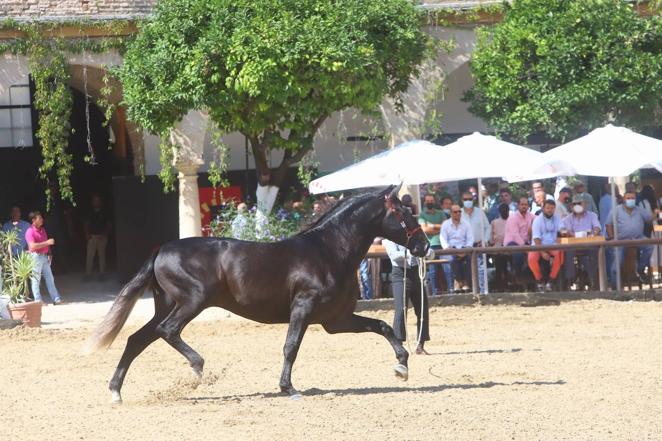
x=414, y=296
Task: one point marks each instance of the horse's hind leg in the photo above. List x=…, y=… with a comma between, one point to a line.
x=356, y=323
x=137, y=343
x=171, y=328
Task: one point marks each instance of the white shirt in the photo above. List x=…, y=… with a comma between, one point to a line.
x=474, y=220
x=456, y=236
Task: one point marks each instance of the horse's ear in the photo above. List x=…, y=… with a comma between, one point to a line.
x=394, y=192
x=385, y=193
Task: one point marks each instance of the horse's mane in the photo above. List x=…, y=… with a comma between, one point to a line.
x=338, y=209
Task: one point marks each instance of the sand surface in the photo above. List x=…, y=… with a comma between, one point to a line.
x=589, y=370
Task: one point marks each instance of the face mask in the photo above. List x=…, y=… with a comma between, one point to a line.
x=630, y=203
x=447, y=211
x=429, y=206
x=578, y=209
x=468, y=204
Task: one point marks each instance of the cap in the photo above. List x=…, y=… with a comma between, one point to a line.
x=565, y=190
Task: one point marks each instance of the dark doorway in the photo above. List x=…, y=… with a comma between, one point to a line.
x=93, y=166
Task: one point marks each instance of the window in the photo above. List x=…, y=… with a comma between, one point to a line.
x=15, y=117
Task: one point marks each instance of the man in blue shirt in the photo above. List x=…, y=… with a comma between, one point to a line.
x=544, y=231
x=17, y=224
x=630, y=221
x=581, y=220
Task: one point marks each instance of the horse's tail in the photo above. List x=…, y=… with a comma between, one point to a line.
x=112, y=324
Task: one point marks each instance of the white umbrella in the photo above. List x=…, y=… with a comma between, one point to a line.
x=402, y=163
x=485, y=156
x=608, y=151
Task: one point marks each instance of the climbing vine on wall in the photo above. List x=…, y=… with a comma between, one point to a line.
x=46, y=50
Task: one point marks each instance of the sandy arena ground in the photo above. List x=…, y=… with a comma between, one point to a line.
x=589, y=370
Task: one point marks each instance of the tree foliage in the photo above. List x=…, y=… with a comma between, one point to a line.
x=273, y=70
x=561, y=67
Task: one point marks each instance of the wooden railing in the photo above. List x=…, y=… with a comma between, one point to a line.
x=377, y=251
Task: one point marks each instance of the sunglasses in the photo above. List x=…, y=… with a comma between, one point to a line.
x=469, y=199
x=576, y=203
x=456, y=211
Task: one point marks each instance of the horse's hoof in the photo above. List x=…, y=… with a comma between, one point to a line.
x=401, y=372
x=116, y=399
x=296, y=397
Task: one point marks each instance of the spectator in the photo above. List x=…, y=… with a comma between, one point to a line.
x=39, y=245
x=505, y=197
x=474, y=194
x=631, y=187
x=491, y=197
x=538, y=200
x=580, y=190
x=408, y=202
x=586, y=222
x=518, y=232
x=648, y=202
x=446, y=204
x=240, y=222
x=457, y=233
x=544, y=231
x=537, y=203
x=605, y=204
x=563, y=203
x=366, y=282
x=15, y=223
x=430, y=220
x=480, y=228
x=97, y=228
x=500, y=260
x=399, y=259
x=630, y=221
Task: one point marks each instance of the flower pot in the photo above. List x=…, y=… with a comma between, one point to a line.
x=29, y=313
x=4, y=312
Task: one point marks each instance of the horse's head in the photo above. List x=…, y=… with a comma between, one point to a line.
x=400, y=226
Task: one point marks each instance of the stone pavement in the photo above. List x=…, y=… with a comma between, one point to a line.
x=86, y=303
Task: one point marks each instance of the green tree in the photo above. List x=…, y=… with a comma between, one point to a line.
x=273, y=70
x=560, y=67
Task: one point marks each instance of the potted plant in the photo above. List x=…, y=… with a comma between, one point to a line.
x=15, y=283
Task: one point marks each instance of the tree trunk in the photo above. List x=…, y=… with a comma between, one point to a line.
x=270, y=180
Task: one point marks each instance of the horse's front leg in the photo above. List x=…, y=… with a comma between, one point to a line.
x=356, y=323
x=300, y=312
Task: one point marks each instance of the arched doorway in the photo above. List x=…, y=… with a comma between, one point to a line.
x=99, y=151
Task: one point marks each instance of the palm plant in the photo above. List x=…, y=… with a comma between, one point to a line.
x=16, y=270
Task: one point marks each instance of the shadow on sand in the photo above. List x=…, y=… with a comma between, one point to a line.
x=376, y=390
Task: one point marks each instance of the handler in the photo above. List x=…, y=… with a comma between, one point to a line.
x=397, y=255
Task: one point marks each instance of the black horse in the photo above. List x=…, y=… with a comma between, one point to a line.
x=309, y=278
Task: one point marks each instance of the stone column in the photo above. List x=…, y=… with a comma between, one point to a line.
x=188, y=136
x=189, y=200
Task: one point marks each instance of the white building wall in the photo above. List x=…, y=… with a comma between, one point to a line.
x=334, y=148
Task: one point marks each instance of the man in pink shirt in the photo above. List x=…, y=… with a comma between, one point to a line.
x=518, y=232
x=38, y=246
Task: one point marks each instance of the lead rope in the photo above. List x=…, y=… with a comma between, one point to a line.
x=422, y=268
